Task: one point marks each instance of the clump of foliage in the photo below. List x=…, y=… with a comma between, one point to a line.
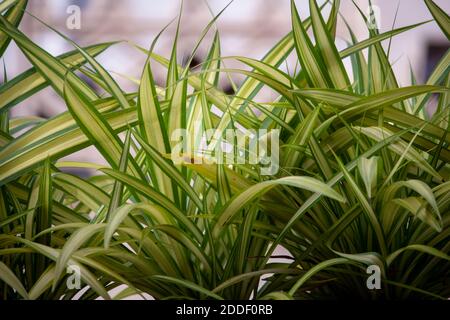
x=363, y=180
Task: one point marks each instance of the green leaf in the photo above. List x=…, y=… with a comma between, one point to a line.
x=177, y=112
x=314, y=270
x=326, y=48
x=44, y=211
x=357, y=47
x=48, y=66
x=172, y=70
x=437, y=76
x=96, y=128
x=117, y=192
x=189, y=285
x=14, y=16
x=106, y=78
x=418, y=247
x=155, y=196
x=75, y=241
x=57, y=144
x=365, y=205
x=187, y=242
x=310, y=61
x=442, y=19
x=170, y=170
x=54, y=254
x=418, y=186
x=418, y=208
x=400, y=147
x=368, y=171
x=152, y=125
x=121, y=213
x=4, y=5
x=242, y=199
x=42, y=284
x=380, y=100
x=10, y=278
x=84, y=191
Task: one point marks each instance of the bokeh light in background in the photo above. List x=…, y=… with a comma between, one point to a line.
x=247, y=28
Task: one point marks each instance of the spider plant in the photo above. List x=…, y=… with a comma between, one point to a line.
x=363, y=176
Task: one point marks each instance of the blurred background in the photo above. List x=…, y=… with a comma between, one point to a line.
x=247, y=27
